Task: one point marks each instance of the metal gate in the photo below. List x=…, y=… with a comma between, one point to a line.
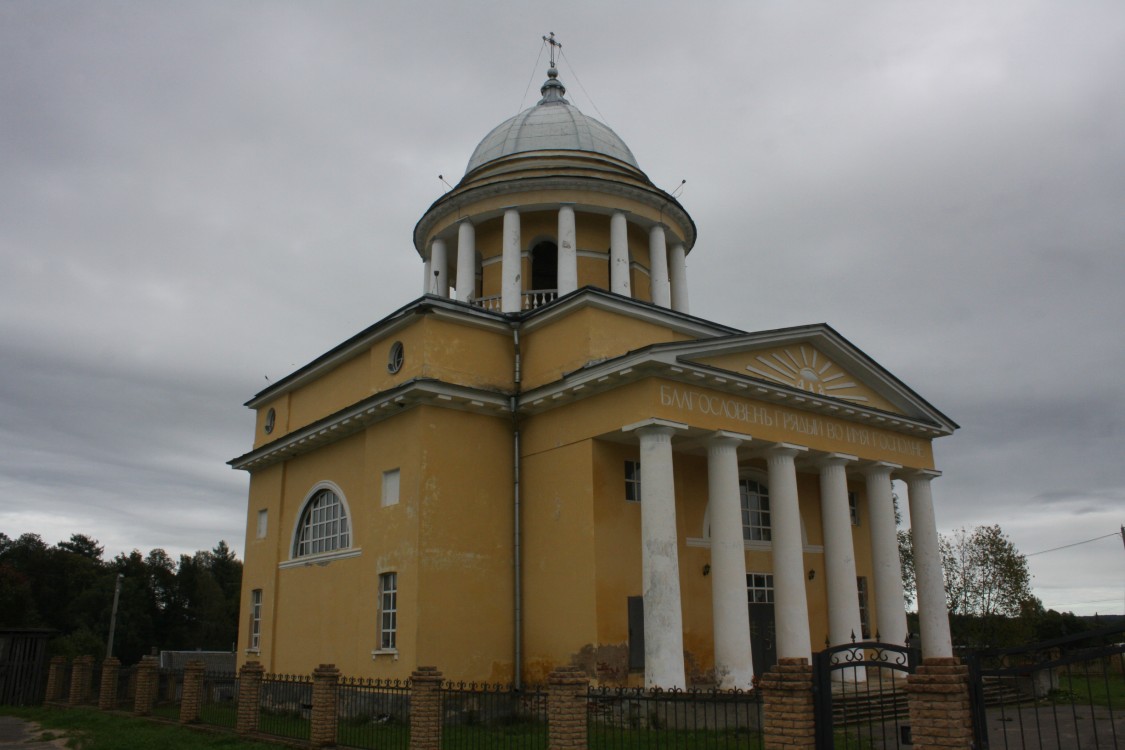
x=23, y=666
x=860, y=695
x=1062, y=693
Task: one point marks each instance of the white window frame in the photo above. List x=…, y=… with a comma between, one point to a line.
x=633, y=482
x=756, y=521
x=759, y=588
x=254, y=642
x=392, y=479
x=387, y=631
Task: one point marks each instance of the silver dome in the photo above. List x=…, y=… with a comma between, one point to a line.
x=553, y=124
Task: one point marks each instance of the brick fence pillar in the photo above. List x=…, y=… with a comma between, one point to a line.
x=567, y=689
x=425, y=709
x=322, y=729
x=787, y=698
x=107, y=691
x=940, y=712
x=81, y=680
x=249, y=697
x=147, y=683
x=56, y=679
x=191, y=700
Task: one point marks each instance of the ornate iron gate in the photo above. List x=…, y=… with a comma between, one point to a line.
x=860, y=695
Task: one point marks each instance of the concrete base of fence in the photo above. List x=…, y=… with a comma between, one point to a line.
x=787, y=705
x=940, y=713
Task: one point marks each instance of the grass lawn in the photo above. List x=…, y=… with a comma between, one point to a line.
x=1100, y=690
x=90, y=729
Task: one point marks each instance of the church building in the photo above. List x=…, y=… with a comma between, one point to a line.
x=547, y=460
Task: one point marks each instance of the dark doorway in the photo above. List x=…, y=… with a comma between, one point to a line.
x=636, y=633
x=544, y=266
x=763, y=637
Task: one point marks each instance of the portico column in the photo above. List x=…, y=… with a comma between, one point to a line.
x=933, y=616
x=839, y=551
x=890, y=608
x=511, y=273
x=660, y=566
x=791, y=609
x=658, y=267
x=568, y=252
x=439, y=267
x=466, y=260
x=678, y=271
x=619, y=255
x=427, y=277
x=734, y=666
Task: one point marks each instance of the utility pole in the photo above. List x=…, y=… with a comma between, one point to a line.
x=113, y=615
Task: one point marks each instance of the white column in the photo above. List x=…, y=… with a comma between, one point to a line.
x=658, y=267
x=511, y=272
x=660, y=565
x=890, y=605
x=466, y=260
x=427, y=276
x=439, y=268
x=568, y=251
x=678, y=271
x=844, y=624
x=839, y=551
x=791, y=608
x=619, y=255
x=734, y=666
x=933, y=617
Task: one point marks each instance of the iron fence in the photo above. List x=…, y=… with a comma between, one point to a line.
x=484, y=715
x=285, y=706
x=632, y=718
x=126, y=687
x=169, y=693
x=1066, y=693
x=219, y=702
x=373, y=713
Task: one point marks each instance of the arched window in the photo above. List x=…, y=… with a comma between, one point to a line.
x=544, y=266
x=323, y=526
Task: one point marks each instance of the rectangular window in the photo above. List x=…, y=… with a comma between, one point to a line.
x=864, y=617
x=853, y=508
x=388, y=611
x=759, y=588
x=255, y=619
x=390, y=487
x=633, y=481
x=263, y=519
x=755, y=511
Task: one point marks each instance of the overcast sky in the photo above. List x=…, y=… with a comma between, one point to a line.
x=195, y=197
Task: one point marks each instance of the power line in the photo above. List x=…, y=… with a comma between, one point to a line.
x=1075, y=544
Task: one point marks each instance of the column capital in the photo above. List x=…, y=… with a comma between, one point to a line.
x=655, y=425
x=725, y=437
x=466, y=220
x=880, y=466
x=835, y=459
x=785, y=449
x=925, y=475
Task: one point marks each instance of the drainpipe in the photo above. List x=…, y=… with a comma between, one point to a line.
x=518, y=599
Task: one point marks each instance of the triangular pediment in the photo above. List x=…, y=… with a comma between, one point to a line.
x=816, y=360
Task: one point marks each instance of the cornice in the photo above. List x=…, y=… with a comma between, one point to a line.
x=369, y=411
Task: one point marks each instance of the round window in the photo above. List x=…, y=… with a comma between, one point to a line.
x=271, y=417
x=395, y=358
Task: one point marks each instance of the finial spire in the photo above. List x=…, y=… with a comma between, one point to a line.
x=551, y=41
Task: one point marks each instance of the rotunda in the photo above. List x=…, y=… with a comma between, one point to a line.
x=553, y=200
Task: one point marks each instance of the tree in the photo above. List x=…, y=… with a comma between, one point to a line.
x=985, y=574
